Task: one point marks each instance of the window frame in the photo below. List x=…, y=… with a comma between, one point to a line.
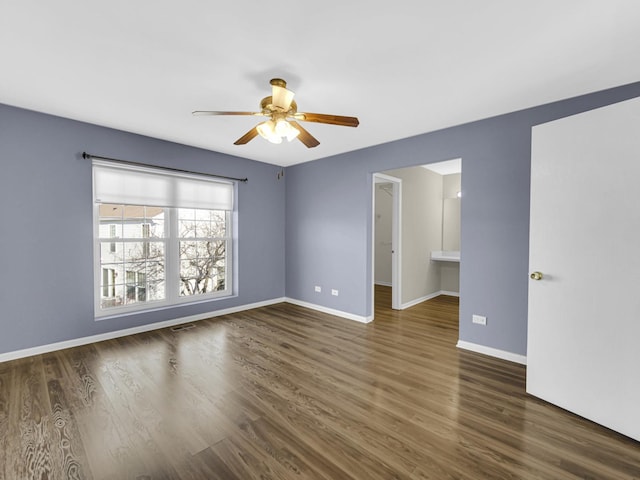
x=172, y=279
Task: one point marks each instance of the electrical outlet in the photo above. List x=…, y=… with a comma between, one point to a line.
x=318, y=288
x=479, y=319
x=334, y=292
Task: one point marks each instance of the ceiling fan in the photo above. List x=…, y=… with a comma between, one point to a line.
x=282, y=112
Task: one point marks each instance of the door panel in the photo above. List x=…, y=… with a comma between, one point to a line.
x=583, y=350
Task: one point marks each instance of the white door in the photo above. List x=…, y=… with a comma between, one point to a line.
x=583, y=350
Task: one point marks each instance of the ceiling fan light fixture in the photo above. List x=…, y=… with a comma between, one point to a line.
x=267, y=130
x=281, y=97
x=275, y=139
x=285, y=129
x=293, y=133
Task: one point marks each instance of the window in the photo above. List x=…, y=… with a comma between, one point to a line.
x=161, y=239
x=133, y=246
x=202, y=246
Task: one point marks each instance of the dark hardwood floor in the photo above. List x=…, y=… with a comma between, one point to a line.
x=283, y=392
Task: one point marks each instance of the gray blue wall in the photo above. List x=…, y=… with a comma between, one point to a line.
x=46, y=258
x=328, y=221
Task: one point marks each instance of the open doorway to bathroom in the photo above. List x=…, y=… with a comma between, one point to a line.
x=426, y=219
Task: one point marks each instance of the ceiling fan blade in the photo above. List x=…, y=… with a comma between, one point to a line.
x=247, y=137
x=210, y=112
x=305, y=137
x=330, y=119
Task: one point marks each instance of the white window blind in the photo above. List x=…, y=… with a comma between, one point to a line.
x=133, y=185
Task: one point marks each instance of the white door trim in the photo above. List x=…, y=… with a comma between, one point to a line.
x=396, y=239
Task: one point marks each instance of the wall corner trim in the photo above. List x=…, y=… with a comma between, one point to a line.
x=330, y=311
x=77, y=342
x=492, y=352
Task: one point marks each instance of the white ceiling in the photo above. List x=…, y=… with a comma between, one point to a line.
x=447, y=167
x=404, y=67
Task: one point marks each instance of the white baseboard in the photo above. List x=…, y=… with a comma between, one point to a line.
x=384, y=284
x=427, y=297
x=492, y=352
x=330, y=311
x=419, y=300
x=451, y=294
x=76, y=342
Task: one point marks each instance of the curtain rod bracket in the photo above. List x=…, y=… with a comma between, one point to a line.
x=88, y=156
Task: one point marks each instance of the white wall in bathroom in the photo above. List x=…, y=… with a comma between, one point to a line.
x=450, y=272
x=421, y=231
x=383, y=233
x=451, y=212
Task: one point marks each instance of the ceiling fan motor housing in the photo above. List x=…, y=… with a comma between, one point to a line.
x=278, y=82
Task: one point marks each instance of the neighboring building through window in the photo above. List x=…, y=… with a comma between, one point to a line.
x=112, y=234
x=133, y=246
x=168, y=253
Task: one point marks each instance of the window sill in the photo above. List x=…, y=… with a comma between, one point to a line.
x=109, y=316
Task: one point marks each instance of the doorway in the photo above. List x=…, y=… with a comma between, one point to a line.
x=426, y=244
x=386, y=235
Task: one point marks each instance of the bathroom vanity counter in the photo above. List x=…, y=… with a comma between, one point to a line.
x=445, y=256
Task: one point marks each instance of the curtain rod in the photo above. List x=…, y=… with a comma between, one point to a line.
x=88, y=156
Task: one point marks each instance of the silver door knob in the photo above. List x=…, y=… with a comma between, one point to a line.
x=536, y=276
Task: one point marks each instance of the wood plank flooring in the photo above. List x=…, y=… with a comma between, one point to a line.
x=283, y=392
